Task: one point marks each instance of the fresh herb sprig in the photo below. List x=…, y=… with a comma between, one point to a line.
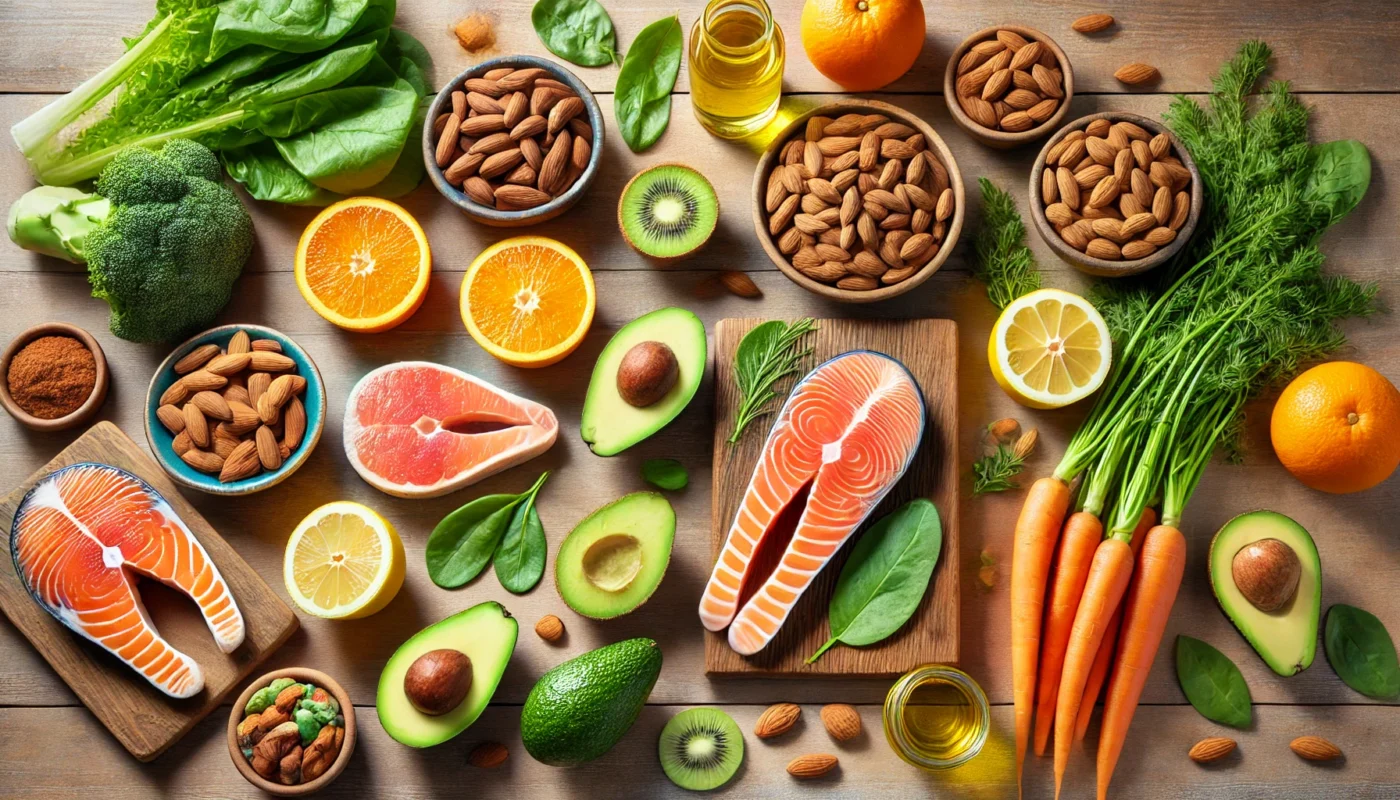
x=1004, y=262
x=766, y=355
x=994, y=471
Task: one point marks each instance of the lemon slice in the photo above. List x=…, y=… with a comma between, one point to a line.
x=343, y=562
x=1050, y=348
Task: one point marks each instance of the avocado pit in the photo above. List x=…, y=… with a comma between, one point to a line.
x=1266, y=572
x=613, y=561
x=438, y=681
x=647, y=373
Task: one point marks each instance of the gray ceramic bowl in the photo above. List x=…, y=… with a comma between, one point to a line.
x=530, y=216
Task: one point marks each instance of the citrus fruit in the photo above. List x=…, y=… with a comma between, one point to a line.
x=528, y=301
x=343, y=562
x=862, y=44
x=1336, y=427
x=1049, y=348
x=363, y=264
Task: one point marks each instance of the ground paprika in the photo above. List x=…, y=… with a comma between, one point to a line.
x=52, y=376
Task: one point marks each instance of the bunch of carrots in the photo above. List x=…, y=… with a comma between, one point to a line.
x=1238, y=311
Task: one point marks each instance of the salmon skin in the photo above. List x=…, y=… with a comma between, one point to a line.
x=78, y=536
x=846, y=434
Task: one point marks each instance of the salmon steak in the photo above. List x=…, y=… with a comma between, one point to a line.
x=417, y=429
x=80, y=538
x=846, y=434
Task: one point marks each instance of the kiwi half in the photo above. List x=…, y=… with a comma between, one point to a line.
x=701, y=749
x=668, y=211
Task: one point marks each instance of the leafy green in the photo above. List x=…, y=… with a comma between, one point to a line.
x=885, y=578
x=766, y=355
x=520, y=558
x=1212, y=683
x=665, y=473
x=1361, y=652
x=642, y=102
x=993, y=473
x=1004, y=262
x=576, y=30
x=461, y=546
x=1341, y=173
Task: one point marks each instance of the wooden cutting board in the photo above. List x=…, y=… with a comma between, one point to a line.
x=145, y=720
x=929, y=348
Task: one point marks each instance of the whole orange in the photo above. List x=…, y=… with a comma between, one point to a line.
x=1336, y=427
x=862, y=44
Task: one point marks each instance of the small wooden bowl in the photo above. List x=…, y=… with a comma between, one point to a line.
x=347, y=747
x=529, y=216
x=933, y=141
x=1002, y=140
x=85, y=411
x=1098, y=266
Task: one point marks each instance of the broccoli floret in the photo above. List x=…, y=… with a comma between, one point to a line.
x=163, y=237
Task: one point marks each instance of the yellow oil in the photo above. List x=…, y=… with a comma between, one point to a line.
x=936, y=717
x=736, y=67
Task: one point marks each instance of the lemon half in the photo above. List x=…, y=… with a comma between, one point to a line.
x=1050, y=348
x=343, y=561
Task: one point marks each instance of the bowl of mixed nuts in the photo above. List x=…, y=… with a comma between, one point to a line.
x=1115, y=194
x=1008, y=85
x=235, y=410
x=858, y=201
x=292, y=732
x=513, y=141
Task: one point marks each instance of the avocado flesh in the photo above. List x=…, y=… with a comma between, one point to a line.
x=610, y=425
x=1287, y=638
x=486, y=634
x=581, y=708
x=612, y=561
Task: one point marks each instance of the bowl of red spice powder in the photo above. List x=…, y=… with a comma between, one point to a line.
x=53, y=376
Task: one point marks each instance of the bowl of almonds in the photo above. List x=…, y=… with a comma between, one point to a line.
x=235, y=410
x=1115, y=194
x=858, y=201
x=513, y=141
x=1008, y=85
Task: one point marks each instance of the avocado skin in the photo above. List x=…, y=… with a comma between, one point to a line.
x=581, y=708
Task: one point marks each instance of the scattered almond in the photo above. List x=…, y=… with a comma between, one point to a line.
x=1315, y=748
x=842, y=721
x=488, y=755
x=740, y=284
x=1136, y=74
x=1211, y=749
x=550, y=628
x=813, y=765
x=777, y=720
x=1093, y=23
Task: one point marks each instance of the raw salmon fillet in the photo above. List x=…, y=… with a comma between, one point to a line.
x=417, y=429
x=77, y=537
x=846, y=434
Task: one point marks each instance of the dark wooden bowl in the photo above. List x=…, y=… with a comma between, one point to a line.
x=934, y=142
x=1003, y=140
x=85, y=411
x=347, y=747
x=1098, y=266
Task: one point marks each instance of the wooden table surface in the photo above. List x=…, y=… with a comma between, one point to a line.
x=1345, y=56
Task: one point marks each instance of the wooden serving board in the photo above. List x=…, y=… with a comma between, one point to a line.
x=145, y=720
x=929, y=348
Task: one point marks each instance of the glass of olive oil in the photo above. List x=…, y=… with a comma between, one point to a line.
x=936, y=717
x=736, y=67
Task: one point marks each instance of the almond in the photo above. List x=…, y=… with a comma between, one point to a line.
x=517, y=106
x=1028, y=55
x=171, y=417
x=978, y=110
x=244, y=420
x=212, y=405
x=196, y=358
x=996, y=85
x=195, y=425
x=513, y=197
x=842, y=721
x=293, y=423
x=224, y=441
x=1017, y=121
x=783, y=216
x=268, y=412
x=1160, y=236
x=777, y=720
x=229, y=364
x=200, y=380
x=481, y=125
x=811, y=766
x=270, y=362
x=555, y=161
x=1315, y=748
x=181, y=444
x=265, y=442
x=1069, y=188
x=1136, y=74
x=240, y=342
x=857, y=283
x=447, y=141
x=176, y=394
x=479, y=190
x=1047, y=81
x=1104, y=193
x=542, y=99
x=202, y=460
x=1138, y=249
x=499, y=163
x=1181, y=208
x=738, y=283
x=1013, y=40
x=241, y=463
x=464, y=167
x=1104, y=249
x=1093, y=23
x=490, y=88
x=550, y=628
x=483, y=104
x=520, y=78
x=562, y=112
x=488, y=755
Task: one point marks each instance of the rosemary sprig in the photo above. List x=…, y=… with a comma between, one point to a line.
x=994, y=472
x=766, y=355
x=1003, y=261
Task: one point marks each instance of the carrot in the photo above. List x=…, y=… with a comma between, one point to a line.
x=1148, y=605
x=1099, y=672
x=1103, y=591
x=1080, y=539
x=1037, y=529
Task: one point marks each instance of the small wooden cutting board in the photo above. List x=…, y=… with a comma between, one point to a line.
x=929, y=349
x=145, y=720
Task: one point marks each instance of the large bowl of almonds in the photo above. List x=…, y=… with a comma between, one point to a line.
x=858, y=201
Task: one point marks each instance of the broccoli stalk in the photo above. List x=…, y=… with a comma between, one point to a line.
x=163, y=238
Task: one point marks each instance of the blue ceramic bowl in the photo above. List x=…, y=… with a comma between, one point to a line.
x=161, y=440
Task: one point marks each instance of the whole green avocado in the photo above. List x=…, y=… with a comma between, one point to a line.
x=581, y=708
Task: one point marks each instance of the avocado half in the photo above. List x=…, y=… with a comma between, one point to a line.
x=486, y=633
x=610, y=563
x=1286, y=638
x=611, y=425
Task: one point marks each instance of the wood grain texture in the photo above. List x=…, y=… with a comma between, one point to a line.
x=929, y=349
x=145, y=720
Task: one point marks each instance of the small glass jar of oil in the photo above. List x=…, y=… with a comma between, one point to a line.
x=936, y=717
x=736, y=67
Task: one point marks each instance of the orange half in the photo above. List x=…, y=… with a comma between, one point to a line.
x=528, y=300
x=363, y=264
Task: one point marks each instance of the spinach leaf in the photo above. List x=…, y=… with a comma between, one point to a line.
x=642, y=103
x=665, y=473
x=1212, y=683
x=520, y=557
x=1361, y=652
x=267, y=176
x=297, y=26
x=576, y=30
x=886, y=576
x=357, y=150
x=462, y=544
x=1341, y=173
x=409, y=58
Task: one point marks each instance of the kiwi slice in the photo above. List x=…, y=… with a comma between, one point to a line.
x=668, y=211
x=701, y=749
